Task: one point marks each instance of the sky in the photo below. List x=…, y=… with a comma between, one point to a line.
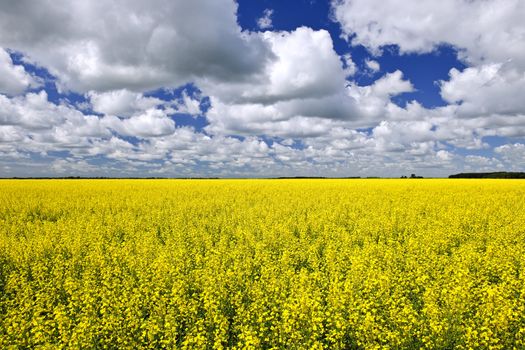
x=261, y=88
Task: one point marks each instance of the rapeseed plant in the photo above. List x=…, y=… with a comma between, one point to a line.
x=274, y=264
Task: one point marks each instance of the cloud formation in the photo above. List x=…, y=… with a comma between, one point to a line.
x=487, y=30
x=271, y=102
x=487, y=34
x=133, y=45
x=13, y=78
x=265, y=22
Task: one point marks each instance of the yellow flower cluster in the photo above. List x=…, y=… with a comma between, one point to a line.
x=272, y=264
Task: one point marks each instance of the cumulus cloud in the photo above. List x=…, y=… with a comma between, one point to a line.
x=349, y=65
x=488, y=89
x=482, y=163
x=151, y=123
x=512, y=154
x=122, y=103
x=372, y=65
x=374, y=101
x=265, y=22
x=115, y=45
x=305, y=80
x=31, y=124
x=490, y=30
x=330, y=147
x=188, y=104
x=390, y=85
x=32, y=111
x=487, y=36
x=13, y=78
x=303, y=92
x=293, y=79
x=305, y=65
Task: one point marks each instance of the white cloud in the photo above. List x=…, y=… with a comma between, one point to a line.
x=482, y=163
x=188, y=104
x=330, y=149
x=485, y=90
x=373, y=101
x=265, y=22
x=33, y=124
x=513, y=155
x=151, y=123
x=488, y=35
x=444, y=155
x=372, y=65
x=9, y=134
x=391, y=84
x=68, y=166
x=488, y=30
x=349, y=65
x=404, y=132
x=305, y=80
x=296, y=80
x=13, y=78
x=32, y=111
x=303, y=92
x=121, y=103
x=124, y=103
x=305, y=65
x=115, y=45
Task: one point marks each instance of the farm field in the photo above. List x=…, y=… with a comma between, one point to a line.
x=282, y=264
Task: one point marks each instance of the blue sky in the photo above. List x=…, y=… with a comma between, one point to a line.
x=262, y=88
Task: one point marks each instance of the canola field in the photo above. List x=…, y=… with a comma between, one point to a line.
x=262, y=264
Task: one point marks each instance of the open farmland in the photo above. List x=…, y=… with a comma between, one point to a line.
x=279, y=264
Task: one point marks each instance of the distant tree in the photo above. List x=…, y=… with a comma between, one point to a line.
x=493, y=175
